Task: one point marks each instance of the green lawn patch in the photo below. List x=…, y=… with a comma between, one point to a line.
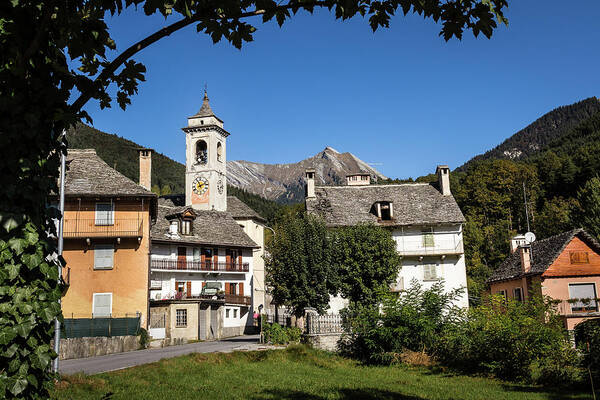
x=294, y=373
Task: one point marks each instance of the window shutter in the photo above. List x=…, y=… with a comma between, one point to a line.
x=239, y=260
x=102, y=304
x=189, y=288
x=429, y=272
x=104, y=256
x=203, y=284
x=104, y=214
x=227, y=287
x=241, y=285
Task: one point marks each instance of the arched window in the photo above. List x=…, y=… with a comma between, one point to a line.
x=201, y=152
x=219, y=152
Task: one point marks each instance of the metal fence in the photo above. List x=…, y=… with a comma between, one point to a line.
x=329, y=323
x=109, y=326
x=283, y=318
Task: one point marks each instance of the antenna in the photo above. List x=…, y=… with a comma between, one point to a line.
x=526, y=209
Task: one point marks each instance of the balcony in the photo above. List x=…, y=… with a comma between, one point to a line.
x=444, y=249
x=238, y=299
x=577, y=307
x=228, y=298
x=207, y=266
x=92, y=228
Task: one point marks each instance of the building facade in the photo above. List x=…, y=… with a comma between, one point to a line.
x=106, y=240
x=206, y=253
x=424, y=219
x=565, y=267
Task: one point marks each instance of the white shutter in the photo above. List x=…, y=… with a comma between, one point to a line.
x=102, y=304
x=104, y=214
x=104, y=256
x=429, y=272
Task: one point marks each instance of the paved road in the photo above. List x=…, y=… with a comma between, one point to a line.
x=111, y=362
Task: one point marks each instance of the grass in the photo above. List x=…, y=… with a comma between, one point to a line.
x=294, y=373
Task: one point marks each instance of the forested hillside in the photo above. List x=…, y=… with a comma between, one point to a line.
x=561, y=194
x=168, y=176
x=541, y=132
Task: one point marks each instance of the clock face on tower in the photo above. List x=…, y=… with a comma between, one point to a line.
x=220, y=186
x=200, y=185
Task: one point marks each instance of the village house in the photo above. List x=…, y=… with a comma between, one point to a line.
x=207, y=270
x=424, y=219
x=565, y=267
x=106, y=240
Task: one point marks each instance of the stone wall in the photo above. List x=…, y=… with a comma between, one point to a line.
x=97, y=346
x=324, y=341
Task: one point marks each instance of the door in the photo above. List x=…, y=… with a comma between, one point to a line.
x=181, y=258
x=208, y=258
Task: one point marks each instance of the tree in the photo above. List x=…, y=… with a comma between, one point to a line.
x=366, y=262
x=588, y=213
x=299, y=267
x=66, y=57
x=166, y=189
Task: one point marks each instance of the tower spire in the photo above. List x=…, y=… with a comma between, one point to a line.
x=205, y=110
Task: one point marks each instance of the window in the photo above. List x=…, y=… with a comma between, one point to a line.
x=386, y=210
x=101, y=305
x=174, y=227
x=219, y=152
x=186, y=227
x=582, y=297
x=180, y=287
x=105, y=214
x=201, y=152
x=430, y=272
x=428, y=240
x=197, y=256
x=579, y=257
x=227, y=313
x=232, y=288
x=518, y=294
x=180, y=318
x=104, y=256
x=502, y=293
x=235, y=313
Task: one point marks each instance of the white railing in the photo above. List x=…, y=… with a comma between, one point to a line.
x=445, y=249
x=329, y=323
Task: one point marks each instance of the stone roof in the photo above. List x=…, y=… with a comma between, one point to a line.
x=205, y=110
x=88, y=175
x=543, y=254
x=214, y=228
x=238, y=209
x=414, y=204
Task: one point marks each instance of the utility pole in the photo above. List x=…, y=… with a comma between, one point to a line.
x=60, y=251
x=526, y=209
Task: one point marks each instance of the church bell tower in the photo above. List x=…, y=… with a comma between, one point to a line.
x=205, y=165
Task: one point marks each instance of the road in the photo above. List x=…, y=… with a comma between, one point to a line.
x=111, y=362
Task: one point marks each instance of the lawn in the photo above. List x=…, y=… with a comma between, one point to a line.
x=294, y=373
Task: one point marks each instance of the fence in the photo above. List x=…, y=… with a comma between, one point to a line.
x=128, y=325
x=282, y=318
x=317, y=324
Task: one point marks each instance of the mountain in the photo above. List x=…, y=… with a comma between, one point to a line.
x=546, y=129
x=285, y=182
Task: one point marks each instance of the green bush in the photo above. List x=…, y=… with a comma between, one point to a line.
x=587, y=337
x=523, y=341
x=412, y=321
x=276, y=334
x=144, y=338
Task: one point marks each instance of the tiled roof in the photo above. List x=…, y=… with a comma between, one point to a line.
x=88, y=175
x=543, y=254
x=210, y=228
x=413, y=204
x=238, y=209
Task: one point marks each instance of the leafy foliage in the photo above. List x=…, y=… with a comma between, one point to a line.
x=413, y=320
x=588, y=214
x=277, y=334
x=587, y=338
x=366, y=262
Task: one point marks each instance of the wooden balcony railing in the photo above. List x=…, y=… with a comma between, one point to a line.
x=237, y=299
x=229, y=298
x=209, y=266
x=93, y=228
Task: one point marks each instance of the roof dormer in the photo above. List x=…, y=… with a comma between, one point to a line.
x=383, y=210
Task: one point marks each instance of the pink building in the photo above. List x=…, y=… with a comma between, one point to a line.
x=565, y=267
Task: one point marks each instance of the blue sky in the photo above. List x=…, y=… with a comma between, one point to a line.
x=401, y=97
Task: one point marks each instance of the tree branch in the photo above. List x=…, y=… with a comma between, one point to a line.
x=110, y=69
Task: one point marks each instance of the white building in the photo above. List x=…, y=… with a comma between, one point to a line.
x=425, y=221
x=206, y=266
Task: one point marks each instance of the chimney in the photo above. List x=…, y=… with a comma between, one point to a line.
x=516, y=242
x=145, y=168
x=443, y=173
x=309, y=177
x=525, y=258
x=358, y=179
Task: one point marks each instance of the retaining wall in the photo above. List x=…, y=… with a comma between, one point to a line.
x=324, y=341
x=97, y=346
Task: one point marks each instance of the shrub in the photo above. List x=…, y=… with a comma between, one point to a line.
x=522, y=341
x=276, y=334
x=144, y=338
x=587, y=337
x=413, y=320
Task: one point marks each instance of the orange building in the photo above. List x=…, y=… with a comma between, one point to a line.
x=565, y=267
x=106, y=240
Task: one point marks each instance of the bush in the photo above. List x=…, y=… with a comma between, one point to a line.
x=412, y=321
x=276, y=334
x=587, y=337
x=523, y=341
x=144, y=338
